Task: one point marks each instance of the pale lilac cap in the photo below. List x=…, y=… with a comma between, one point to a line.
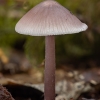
x=49, y=18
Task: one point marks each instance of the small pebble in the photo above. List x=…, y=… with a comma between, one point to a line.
x=93, y=82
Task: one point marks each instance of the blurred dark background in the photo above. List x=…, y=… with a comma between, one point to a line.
x=69, y=48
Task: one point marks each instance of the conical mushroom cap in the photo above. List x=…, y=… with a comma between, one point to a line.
x=49, y=18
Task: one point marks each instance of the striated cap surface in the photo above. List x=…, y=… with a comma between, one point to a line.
x=49, y=18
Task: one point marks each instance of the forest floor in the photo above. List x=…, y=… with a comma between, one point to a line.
x=76, y=79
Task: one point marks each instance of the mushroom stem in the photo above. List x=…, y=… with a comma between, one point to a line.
x=49, y=81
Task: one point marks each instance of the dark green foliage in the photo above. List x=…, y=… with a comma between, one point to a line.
x=67, y=46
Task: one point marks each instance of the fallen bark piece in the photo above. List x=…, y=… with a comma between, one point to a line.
x=4, y=94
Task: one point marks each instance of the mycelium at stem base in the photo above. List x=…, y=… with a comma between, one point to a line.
x=49, y=80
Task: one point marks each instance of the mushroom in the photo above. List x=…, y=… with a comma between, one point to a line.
x=47, y=19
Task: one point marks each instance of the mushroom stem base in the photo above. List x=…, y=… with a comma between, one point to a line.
x=49, y=88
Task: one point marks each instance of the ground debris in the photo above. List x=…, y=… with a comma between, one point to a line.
x=87, y=99
x=4, y=94
x=14, y=63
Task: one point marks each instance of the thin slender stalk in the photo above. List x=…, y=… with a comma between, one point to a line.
x=49, y=88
